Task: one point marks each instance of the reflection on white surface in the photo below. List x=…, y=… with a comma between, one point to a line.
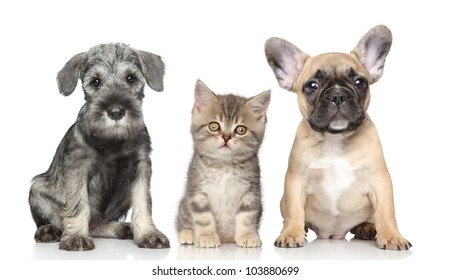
x=106, y=249
x=225, y=252
x=317, y=249
x=343, y=249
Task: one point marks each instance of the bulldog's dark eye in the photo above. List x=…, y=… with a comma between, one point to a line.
x=360, y=83
x=131, y=79
x=96, y=82
x=311, y=86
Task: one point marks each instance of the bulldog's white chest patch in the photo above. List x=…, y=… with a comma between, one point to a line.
x=337, y=174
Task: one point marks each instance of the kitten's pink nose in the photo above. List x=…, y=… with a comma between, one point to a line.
x=226, y=137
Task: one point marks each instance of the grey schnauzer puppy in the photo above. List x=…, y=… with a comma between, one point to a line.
x=102, y=165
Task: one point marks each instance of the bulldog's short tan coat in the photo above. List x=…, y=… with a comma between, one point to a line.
x=337, y=180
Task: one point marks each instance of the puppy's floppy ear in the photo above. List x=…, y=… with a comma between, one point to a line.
x=285, y=60
x=153, y=69
x=67, y=77
x=372, y=50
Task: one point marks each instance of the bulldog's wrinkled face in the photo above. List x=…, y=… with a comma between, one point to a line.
x=334, y=93
x=332, y=88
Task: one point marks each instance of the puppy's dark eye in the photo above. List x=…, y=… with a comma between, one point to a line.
x=96, y=82
x=360, y=83
x=311, y=86
x=131, y=79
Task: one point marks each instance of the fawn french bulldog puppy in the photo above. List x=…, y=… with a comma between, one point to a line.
x=337, y=180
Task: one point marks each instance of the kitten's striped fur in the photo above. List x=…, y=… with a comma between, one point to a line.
x=222, y=203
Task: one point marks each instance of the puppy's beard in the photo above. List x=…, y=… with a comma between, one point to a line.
x=124, y=128
x=117, y=128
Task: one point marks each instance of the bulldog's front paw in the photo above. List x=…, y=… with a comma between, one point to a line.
x=76, y=243
x=250, y=240
x=153, y=240
x=290, y=239
x=208, y=241
x=392, y=242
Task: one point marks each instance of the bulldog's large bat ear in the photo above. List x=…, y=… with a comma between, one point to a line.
x=372, y=50
x=285, y=60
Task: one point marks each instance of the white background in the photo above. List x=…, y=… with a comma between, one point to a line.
x=221, y=42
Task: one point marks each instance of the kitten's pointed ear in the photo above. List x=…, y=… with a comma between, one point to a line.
x=203, y=96
x=259, y=104
x=372, y=50
x=285, y=60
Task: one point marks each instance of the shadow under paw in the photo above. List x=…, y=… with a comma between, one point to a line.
x=365, y=231
x=47, y=233
x=76, y=243
x=153, y=240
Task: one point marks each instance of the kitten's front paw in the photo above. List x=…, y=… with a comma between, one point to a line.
x=393, y=242
x=153, y=240
x=208, y=241
x=291, y=239
x=250, y=240
x=186, y=237
x=76, y=243
x=47, y=233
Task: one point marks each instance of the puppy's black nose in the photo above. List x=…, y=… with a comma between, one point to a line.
x=337, y=96
x=116, y=113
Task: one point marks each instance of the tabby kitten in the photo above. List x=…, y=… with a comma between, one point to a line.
x=222, y=202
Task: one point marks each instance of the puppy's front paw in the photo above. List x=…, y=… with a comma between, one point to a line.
x=76, y=243
x=186, y=237
x=47, y=233
x=208, y=241
x=153, y=240
x=290, y=239
x=250, y=240
x=392, y=242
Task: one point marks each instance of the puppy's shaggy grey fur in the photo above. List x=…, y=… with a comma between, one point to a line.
x=102, y=165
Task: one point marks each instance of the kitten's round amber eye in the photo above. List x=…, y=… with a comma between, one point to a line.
x=240, y=130
x=213, y=126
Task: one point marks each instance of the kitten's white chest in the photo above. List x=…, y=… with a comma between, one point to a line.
x=224, y=190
